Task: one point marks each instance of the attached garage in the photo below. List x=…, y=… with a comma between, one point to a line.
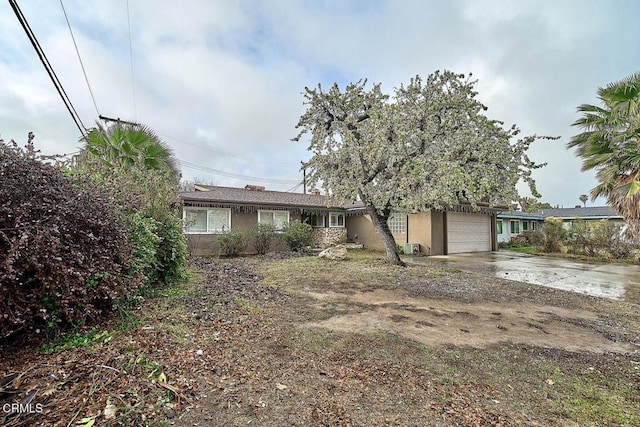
x=468, y=232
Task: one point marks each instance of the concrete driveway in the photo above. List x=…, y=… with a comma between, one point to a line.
x=613, y=281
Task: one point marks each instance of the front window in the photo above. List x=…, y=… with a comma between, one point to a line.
x=317, y=221
x=499, y=226
x=515, y=227
x=534, y=225
x=276, y=218
x=206, y=221
x=336, y=219
x=525, y=225
x=397, y=223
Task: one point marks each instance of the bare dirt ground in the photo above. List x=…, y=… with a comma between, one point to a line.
x=442, y=322
x=304, y=341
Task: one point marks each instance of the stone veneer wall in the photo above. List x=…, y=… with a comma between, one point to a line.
x=326, y=237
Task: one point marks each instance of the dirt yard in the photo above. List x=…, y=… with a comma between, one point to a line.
x=278, y=340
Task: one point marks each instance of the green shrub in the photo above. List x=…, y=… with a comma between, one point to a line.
x=518, y=241
x=233, y=242
x=533, y=237
x=601, y=238
x=150, y=193
x=263, y=234
x=297, y=235
x=554, y=235
x=144, y=240
x=171, y=256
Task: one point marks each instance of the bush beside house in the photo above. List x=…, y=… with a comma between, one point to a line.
x=76, y=241
x=65, y=255
x=598, y=239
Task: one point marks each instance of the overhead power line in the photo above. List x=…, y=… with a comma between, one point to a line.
x=237, y=175
x=47, y=66
x=223, y=153
x=86, y=79
x=294, y=188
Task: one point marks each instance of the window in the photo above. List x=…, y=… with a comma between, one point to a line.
x=534, y=225
x=525, y=225
x=276, y=218
x=397, y=223
x=336, y=219
x=317, y=221
x=515, y=227
x=206, y=221
x=499, y=226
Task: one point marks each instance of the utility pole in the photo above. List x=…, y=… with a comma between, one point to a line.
x=118, y=120
x=304, y=179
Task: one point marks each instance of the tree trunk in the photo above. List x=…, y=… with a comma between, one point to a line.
x=382, y=228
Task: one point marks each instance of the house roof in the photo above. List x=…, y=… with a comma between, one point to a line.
x=258, y=196
x=234, y=195
x=591, y=212
x=521, y=215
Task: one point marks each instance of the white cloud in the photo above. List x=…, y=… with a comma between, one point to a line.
x=222, y=80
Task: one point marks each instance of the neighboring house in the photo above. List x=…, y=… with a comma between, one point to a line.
x=211, y=210
x=511, y=224
x=592, y=213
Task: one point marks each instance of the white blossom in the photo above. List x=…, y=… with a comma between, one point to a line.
x=429, y=145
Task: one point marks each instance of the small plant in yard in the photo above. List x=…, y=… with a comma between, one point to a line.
x=554, y=235
x=533, y=237
x=263, y=234
x=77, y=340
x=233, y=243
x=297, y=235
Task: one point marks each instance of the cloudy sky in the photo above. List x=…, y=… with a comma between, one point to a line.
x=221, y=81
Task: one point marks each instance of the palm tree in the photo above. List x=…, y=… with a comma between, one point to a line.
x=610, y=144
x=124, y=145
x=583, y=198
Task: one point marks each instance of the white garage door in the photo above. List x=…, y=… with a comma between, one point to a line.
x=468, y=232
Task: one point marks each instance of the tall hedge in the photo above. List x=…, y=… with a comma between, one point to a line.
x=149, y=194
x=64, y=248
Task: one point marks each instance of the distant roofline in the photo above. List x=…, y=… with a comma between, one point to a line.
x=590, y=212
x=198, y=195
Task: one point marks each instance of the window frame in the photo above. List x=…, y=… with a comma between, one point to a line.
x=534, y=225
x=337, y=215
x=525, y=226
x=274, y=212
x=324, y=221
x=208, y=230
x=499, y=226
x=511, y=227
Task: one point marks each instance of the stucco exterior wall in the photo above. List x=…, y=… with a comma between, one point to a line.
x=360, y=230
x=419, y=231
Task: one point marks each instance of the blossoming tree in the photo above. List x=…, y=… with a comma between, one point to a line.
x=426, y=146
